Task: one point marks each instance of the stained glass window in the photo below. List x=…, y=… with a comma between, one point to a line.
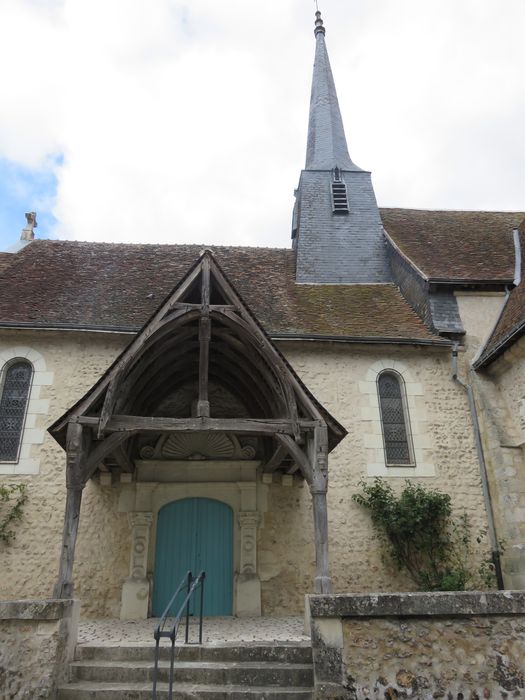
x=394, y=420
x=13, y=403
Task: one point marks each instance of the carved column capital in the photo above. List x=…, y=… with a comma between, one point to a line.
x=140, y=519
x=250, y=518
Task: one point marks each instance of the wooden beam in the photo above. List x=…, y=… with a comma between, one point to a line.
x=147, y=424
x=123, y=460
x=155, y=376
x=191, y=307
x=100, y=451
x=156, y=321
x=253, y=360
x=263, y=346
x=276, y=459
x=297, y=453
x=229, y=293
x=203, y=402
x=163, y=350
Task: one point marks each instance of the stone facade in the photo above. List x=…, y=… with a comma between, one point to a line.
x=423, y=645
x=500, y=397
x=37, y=639
x=281, y=513
x=29, y=565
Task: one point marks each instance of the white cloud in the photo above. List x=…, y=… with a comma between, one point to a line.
x=186, y=121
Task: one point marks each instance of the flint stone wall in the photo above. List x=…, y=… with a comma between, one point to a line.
x=458, y=646
x=37, y=641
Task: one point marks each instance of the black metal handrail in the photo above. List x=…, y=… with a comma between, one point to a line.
x=192, y=582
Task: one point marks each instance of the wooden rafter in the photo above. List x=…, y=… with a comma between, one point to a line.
x=203, y=402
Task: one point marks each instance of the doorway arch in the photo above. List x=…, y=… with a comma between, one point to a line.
x=194, y=534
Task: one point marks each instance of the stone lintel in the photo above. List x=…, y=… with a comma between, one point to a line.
x=447, y=604
x=44, y=609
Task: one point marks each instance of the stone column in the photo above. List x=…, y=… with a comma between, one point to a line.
x=248, y=582
x=248, y=586
x=135, y=591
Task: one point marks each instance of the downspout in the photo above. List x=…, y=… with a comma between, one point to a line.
x=496, y=555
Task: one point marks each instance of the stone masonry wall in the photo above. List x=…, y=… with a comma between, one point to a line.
x=500, y=399
x=333, y=374
x=37, y=639
x=426, y=645
x=29, y=565
x=285, y=538
x=501, y=394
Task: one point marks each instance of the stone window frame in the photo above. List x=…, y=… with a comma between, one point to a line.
x=372, y=426
x=4, y=371
x=406, y=418
x=28, y=461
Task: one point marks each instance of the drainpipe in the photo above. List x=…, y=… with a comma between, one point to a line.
x=496, y=555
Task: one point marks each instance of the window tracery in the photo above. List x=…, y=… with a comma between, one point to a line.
x=395, y=423
x=14, y=396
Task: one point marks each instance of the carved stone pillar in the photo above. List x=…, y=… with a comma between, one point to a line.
x=135, y=591
x=248, y=582
x=318, y=488
x=248, y=522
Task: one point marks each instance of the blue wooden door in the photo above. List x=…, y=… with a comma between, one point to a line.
x=195, y=534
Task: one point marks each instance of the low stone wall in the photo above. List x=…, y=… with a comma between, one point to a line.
x=459, y=646
x=37, y=640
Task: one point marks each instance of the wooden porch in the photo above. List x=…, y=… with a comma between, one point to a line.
x=202, y=367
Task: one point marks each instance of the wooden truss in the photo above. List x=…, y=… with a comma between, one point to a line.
x=202, y=332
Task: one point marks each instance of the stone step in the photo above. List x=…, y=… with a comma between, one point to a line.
x=142, y=691
x=197, y=672
x=248, y=651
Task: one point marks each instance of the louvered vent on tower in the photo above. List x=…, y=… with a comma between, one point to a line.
x=339, y=194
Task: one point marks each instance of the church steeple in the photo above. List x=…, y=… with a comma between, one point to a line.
x=336, y=229
x=327, y=148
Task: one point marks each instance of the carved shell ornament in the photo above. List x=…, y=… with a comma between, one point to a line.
x=198, y=446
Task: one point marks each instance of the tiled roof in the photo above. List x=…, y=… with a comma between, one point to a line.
x=100, y=285
x=456, y=245
x=5, y=260
x=511, y=323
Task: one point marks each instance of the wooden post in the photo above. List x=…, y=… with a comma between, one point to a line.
x=203, y=403
x=64, y=585
x=318, y=449
x=76, y=455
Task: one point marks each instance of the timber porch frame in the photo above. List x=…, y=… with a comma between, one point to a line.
x=203, y=331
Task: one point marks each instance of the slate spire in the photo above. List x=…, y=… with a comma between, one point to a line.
x=336, y=227
x=327, y=146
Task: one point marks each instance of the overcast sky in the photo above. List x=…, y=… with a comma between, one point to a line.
x=172, y=121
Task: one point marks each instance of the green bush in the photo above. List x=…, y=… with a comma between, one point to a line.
x=419, y=533
x=12, y=500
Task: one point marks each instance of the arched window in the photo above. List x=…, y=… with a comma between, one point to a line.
x=395, y=423
x=15, y=384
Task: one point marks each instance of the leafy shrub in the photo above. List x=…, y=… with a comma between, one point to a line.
x=12, y=500
x=419, y=533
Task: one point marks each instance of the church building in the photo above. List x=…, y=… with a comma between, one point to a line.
x=173, y=408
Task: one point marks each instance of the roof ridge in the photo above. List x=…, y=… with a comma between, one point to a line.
x=115, y=244
x=453, y=211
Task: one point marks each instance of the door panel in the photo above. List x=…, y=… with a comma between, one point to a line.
x=195, y=534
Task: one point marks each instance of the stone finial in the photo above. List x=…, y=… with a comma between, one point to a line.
x=28, y=232
x=319, y=28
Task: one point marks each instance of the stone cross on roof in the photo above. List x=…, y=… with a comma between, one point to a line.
x=28, y=232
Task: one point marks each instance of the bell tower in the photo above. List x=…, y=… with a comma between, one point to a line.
x=336, y=230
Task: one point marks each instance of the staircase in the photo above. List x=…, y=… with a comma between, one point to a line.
x=246, y=671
